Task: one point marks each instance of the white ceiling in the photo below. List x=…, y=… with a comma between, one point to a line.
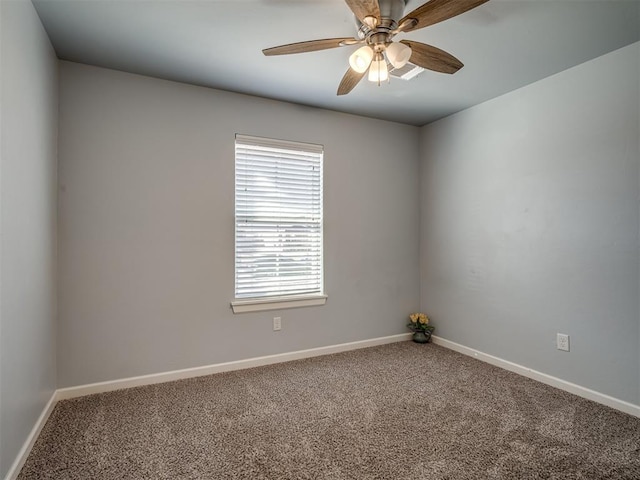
x=504, y=44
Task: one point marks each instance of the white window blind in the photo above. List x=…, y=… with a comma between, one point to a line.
x=278, y=212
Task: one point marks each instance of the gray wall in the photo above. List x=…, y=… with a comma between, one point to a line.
x=29, y=112
x=530, y=225
x=147, y=230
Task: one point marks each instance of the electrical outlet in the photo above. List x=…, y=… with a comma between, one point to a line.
x=277, y=324
x=562, y=342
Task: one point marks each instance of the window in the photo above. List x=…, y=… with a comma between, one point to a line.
x=278, y=216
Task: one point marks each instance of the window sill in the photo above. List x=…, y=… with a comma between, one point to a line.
x=277, y=303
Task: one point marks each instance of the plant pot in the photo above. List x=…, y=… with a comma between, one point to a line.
x=421, y=337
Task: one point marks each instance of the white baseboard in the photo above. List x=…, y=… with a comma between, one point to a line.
x=14, y=470
x=583, y=392
x=82, y=390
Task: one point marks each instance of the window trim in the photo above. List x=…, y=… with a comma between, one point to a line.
x=296, y=300
x=278, y=303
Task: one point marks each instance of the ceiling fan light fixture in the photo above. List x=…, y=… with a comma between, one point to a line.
x=378, y=71
x=361, y=59
x=398, y=54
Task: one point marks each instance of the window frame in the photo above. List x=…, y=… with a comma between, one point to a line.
x=282, y=301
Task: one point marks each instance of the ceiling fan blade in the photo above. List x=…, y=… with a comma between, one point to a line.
x=364, y=8
x=349, y=81
x=436, y=11
x=309, y=46
x=432, y=58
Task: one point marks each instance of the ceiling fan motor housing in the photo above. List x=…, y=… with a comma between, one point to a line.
x=391, y=11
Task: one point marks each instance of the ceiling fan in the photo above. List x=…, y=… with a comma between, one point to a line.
x=379, y=21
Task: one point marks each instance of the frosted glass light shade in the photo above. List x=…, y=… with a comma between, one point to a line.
x=378, y=71
x=398, y=54
x=361, y=59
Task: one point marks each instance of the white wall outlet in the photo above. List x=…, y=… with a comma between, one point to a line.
x=562, y=342
x=277, y=323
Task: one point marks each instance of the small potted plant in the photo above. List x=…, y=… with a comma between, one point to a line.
x=420, y=327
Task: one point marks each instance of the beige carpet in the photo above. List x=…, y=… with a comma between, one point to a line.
x=400, y=411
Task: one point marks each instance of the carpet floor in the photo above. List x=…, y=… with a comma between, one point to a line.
x=398, y=411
